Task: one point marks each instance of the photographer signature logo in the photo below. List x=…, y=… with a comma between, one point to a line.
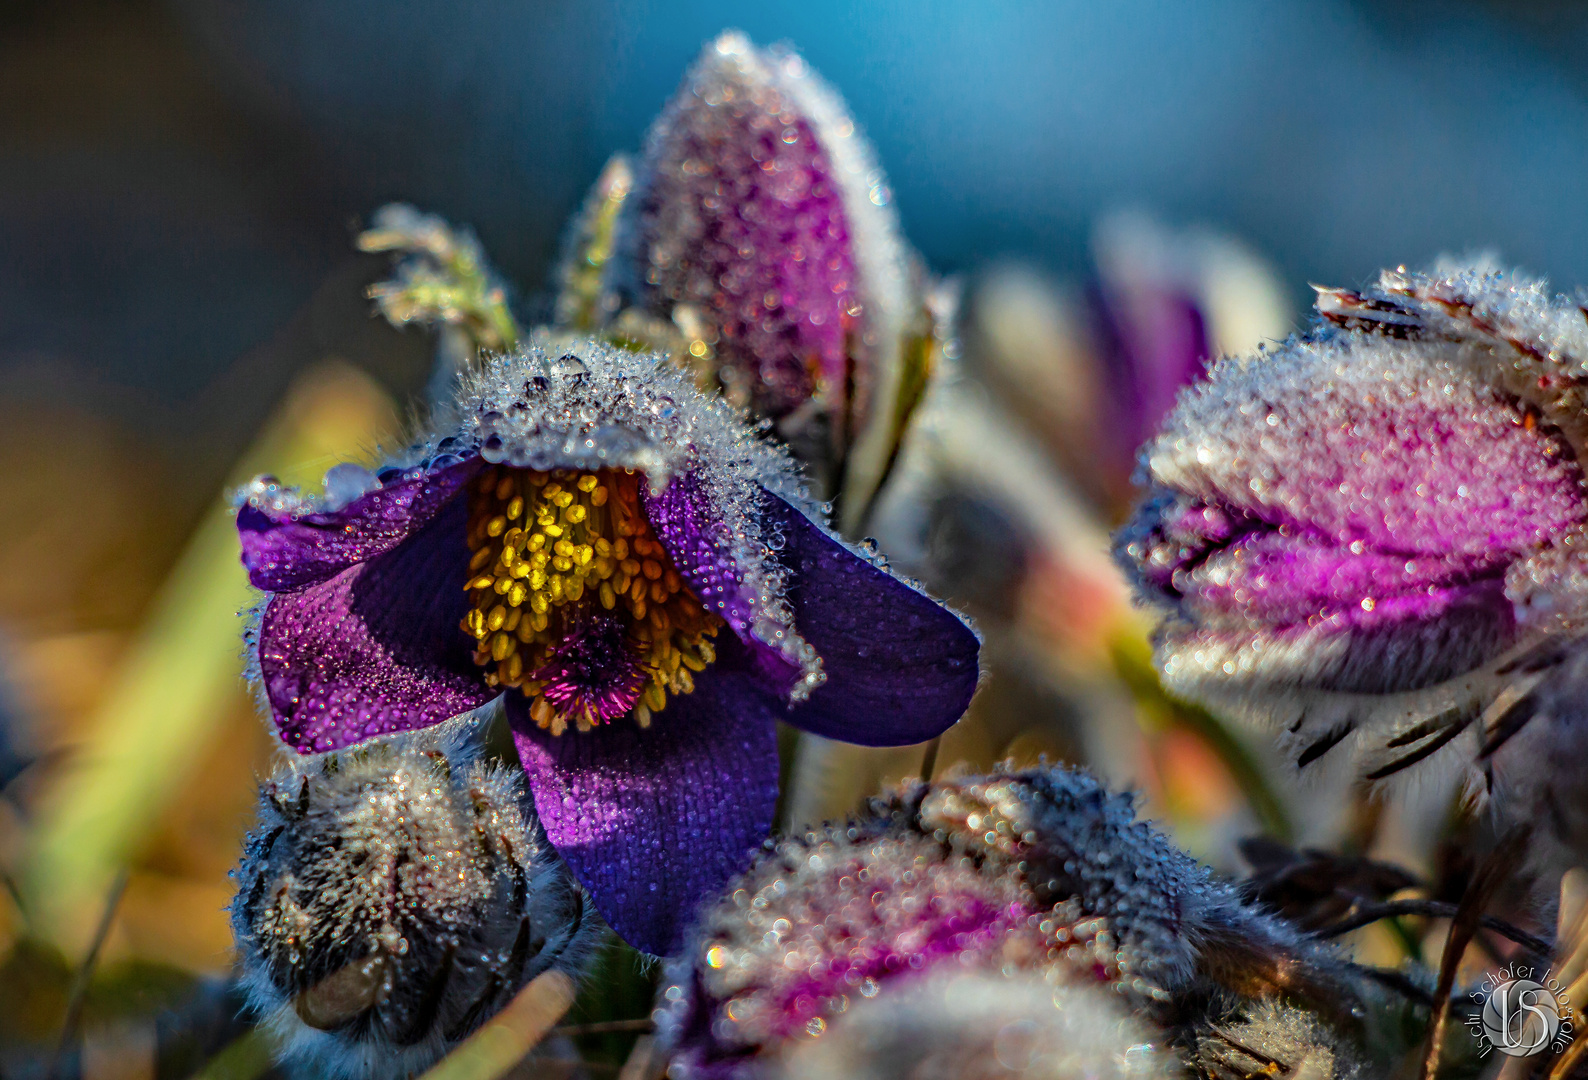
x=1521, y=1013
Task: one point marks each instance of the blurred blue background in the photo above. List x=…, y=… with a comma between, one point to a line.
x=179, y=181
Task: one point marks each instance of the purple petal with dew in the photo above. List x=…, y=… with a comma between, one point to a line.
x=900, y=667
x=292, y=553
x=377, y=648
x=1295, y=576
x=1373, y=444
x=1346, y=510
x=701, y=548
x=654, y=820
x=742, y=217
x=1152, y=341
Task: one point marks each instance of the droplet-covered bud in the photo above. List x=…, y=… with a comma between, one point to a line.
x=393, y=897
x=760, y=228
x=1042, y=872
x=1376, y=528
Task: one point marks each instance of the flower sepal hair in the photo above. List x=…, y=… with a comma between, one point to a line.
x=642, y=577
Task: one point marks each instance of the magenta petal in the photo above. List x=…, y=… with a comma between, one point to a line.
x=291, y=553
x=654, y=820
x=377, y=648
x=900, y=667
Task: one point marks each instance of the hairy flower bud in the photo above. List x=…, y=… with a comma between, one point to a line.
x=760, y=230
x=393, y=897
x=1377, y=530
x=1042, y=872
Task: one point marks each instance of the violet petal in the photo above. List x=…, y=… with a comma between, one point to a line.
x=292, y=553
x=701, y=548
x=377, y=648
x=900, y=667
x=653, y=820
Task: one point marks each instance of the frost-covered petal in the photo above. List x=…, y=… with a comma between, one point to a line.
x=1364, y=438
x=291, y=551
x=900, y=667
x=742, y=217
x=652, y=820
x=1355, y=485
x=579, y=404
x=376, y=648
x=703, y=551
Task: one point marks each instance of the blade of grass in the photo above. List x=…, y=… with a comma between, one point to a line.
x=85, y=975
x=645, y=1063
x=172, y=692
x=511, y=1033
x=1501, y=863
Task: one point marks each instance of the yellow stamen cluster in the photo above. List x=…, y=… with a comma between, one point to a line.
x=548, y=546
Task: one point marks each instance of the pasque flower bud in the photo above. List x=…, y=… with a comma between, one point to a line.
x=393, y=897
x=1040, y=874
x=1375, y=533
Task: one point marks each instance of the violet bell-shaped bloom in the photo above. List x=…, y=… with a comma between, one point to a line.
x=1376, y=529
x=1042, y=872
x=577, y=532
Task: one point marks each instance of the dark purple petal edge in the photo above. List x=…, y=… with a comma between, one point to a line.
x=293, y=553
x=900, y=667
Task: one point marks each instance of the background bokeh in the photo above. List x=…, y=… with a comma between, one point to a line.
x=181, y=180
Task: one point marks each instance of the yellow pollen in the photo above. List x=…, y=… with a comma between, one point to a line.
x=578, y=541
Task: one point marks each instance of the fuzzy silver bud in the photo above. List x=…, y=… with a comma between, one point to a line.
x=1042, y=873
x=392, y=898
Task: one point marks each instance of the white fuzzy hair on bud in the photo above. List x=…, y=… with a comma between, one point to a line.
x=1425, y=440
x=393, y=897
x=982, y=1026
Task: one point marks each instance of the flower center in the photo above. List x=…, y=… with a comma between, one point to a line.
x=574, y=600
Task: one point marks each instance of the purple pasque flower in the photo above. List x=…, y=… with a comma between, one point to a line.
x=639, y=575
x=761, y=227
x=1150, y=329
x=1376, y=526
x=1041, y=872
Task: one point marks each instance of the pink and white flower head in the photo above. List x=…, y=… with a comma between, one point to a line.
x=1042, y=874
x=1376, y=532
